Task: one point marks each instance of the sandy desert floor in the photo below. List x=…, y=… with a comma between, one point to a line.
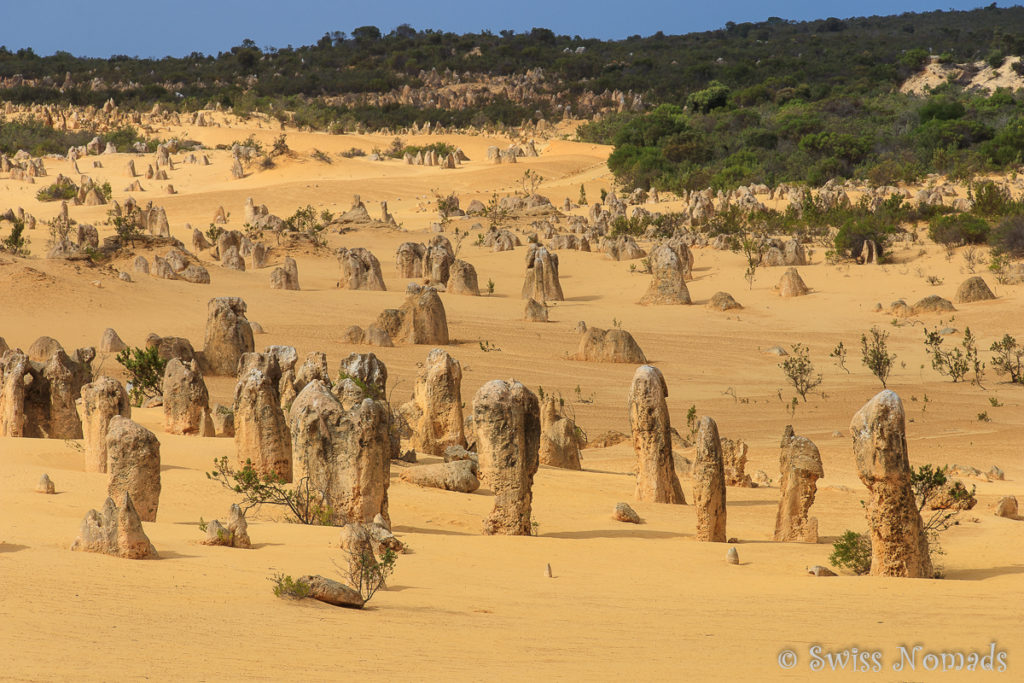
x=625, y=602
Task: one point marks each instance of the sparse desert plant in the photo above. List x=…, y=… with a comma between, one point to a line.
x=582, y=200
x=486, y=346
x=368, y=574
x=352, y=152
x=852, y=551
x=530, y=181
x=60, y=228
x=799, y=370
x=128, y=226
x=490, y=287
x=1009, y=359
x=753, y=247
x=999, y=266
x=875, y=354
x=287, y=587
x=306, y=504
x=933, y=280
x=839, y=354
x=446, y=206
x=145, y=370
x=321, y=156
x=16, y=243
x=957, y=361
x=931, y=484
x=972, y=258
x=983, y=416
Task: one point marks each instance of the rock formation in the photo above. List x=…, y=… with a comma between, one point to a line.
x=609, y=346
x=559, y=437
x=799, y=469
x=462, y=279
x=656, y=479
x=457, y=475
x=668, y=284
x=133, y=454
x=116, y=530
x=228, y=336
x=346, y=453
x=507, y=419
x=100, y=401
x=792, y=284
x=285, y=276
x=541, y=282
x=435, y=413
x=899, y=546
x=261, y=433
x=360, y=269
x=973, y=289
x=709, y=483
x=423, y=317
x=186, y=400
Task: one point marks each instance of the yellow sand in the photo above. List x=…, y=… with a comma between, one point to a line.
x=625, y=602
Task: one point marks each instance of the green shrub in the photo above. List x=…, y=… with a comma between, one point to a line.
x=959, y=229
x=1009, y=359
x=1008, y=236
x=800, y=371
x=145, y=371
x=852, y=551
x=287, y=587
x=64, y=189
x=849, y=240
x=875, y=354
x=714, y=96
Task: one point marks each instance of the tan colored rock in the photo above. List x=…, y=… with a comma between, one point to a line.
x=1007, y=507
x=709, y=484
x=792, y=284
x=234, y=535
x=115, y=530
x=45, y=485
x=559, y=437
x=223, y=419
x=100, y=401
x=973, y=289
x=423, y=317
x=624, y=513
x=43, y=348
x=535, y=312
x=186, y=400
x=734, y=459
x=458, y=475
x=285, y=276
x=332, y=592
x=360, y=269
x=111, y=343
x=932, y=304
x=435, y=413
x=228, y=336
x=14, y=369
x=723, y=301
x=656, y=479
x=133, y=455
x=609, y=346
x=462, y=279
x=507, y=419
x=899, y=546
x=799, y=470
x=261, y=432
x=542, y=282
x=346, y=453
x=171, y=347
x=409, y=260
x=668, y=282
x=437, y=262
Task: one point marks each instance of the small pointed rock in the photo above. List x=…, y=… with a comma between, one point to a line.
x=624, y=513
x=45, y=485
x=732, y=557
x=547, y=571
x=818, y=570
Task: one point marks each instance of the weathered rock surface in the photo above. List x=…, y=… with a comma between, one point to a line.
x=799, y=470
x=133, y=455
x=709, y=484
x=656, y=479
x=115, y=530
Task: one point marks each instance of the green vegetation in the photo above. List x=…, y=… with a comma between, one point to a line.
x=16, y=243
x=63, y=188
x=799, y=371
x=306, y=504
x=852, y=551
x=957, y=361
x=287, y=587
x=875, y=354
x=145, y=371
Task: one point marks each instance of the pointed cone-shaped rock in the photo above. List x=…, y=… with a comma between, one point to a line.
x=115, y=530
x=228, y=335
x=668, y=285
x=799, y=468
x=656, y=479
x=792, y=284
x=437, y=405
x=423, y=317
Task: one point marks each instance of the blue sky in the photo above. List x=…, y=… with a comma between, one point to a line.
x=156, y=28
